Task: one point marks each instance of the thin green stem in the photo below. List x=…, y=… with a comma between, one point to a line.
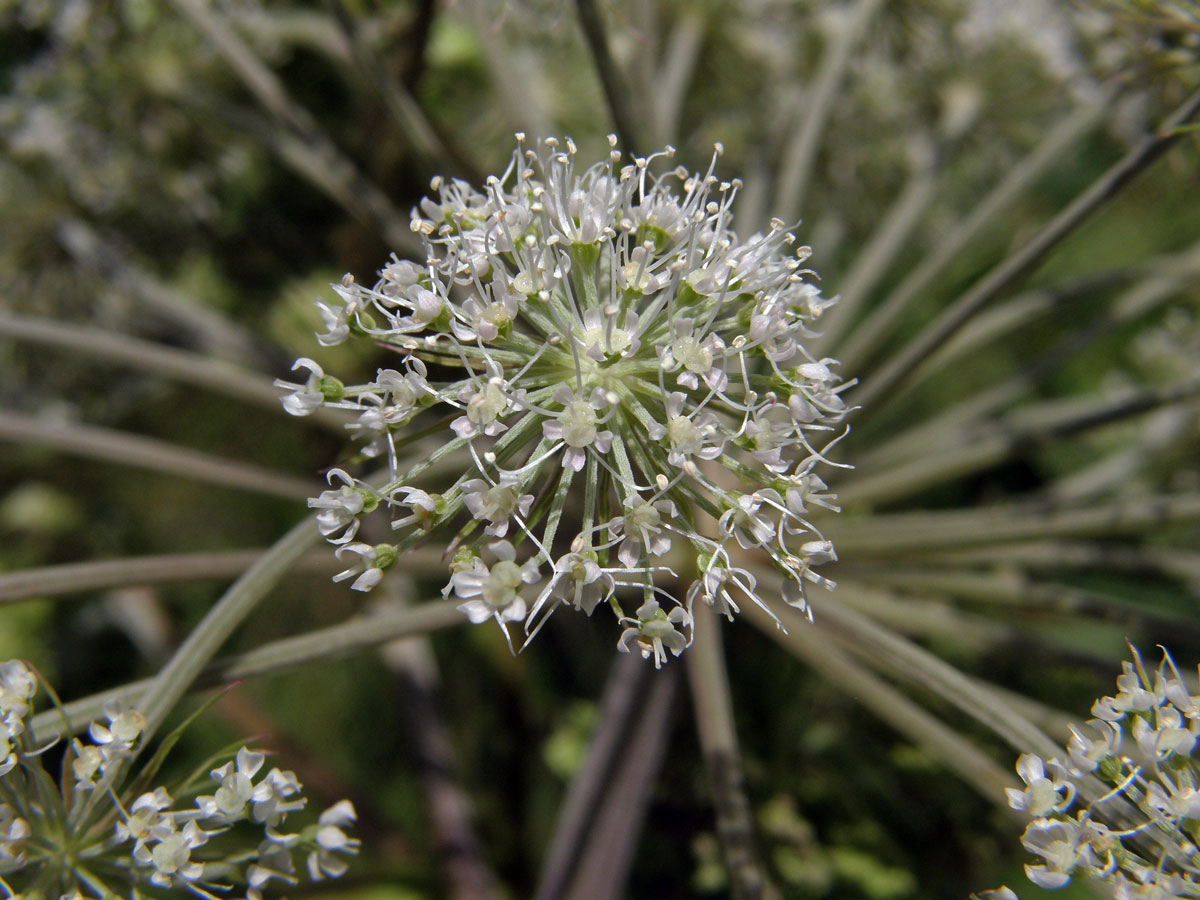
x=868, y=336
x=148, y=453
x=913, y=721
x=908, y=533
x=178, y=675
x=270, y=659
x=615, y=93
x=215, y=333
x=712, y=704
x=1006, y=273
x=801, y=151
x=190, y=368
x=1004, y=442
x=302, y=143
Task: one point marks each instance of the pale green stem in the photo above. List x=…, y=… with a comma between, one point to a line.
x=921, y=617
x=1169, y=429
x=925, y=669
x=99, y=575
x=909, y=719
x=877, y=255
x=1006, y=441
x=1005, y=274
x=1050, y=152
x=642, y=19
x=517, y=81
x=712, y=704
x=304, y=146
x=133, y=450
x=215, y=333
x=317, y=646
x=191, y=368
x=801, y=151
x=604, y=857
x=295, y=27
x=615, y=93
x=1182, y=565
x=417, y=130
x=1163, y=278
x=675, y=74
x=624, y=691
x=1008, y=589
x=906, y=533
x=201, y=645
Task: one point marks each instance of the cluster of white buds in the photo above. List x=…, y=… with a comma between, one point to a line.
x=624, y=379
x=95, y=836
x=1123, y=806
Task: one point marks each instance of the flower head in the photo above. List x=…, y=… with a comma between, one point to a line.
x=623, y=377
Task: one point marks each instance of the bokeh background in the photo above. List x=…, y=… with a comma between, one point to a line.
x=192, y=175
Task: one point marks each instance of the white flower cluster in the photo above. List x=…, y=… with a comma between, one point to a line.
x=1136, y=761
x=625, y=380
x=91, y=840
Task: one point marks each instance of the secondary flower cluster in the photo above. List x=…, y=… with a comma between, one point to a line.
x=99, y=833
x=1135, y=763
x=622, y=380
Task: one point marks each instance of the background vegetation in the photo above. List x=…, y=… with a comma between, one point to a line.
x=189, y=176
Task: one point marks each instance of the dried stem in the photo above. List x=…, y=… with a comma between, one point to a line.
x=1007, y=441
x=606, y=854
x=302, y=143
x=213, y=332
x=427, y=145
x=190, y=368
x=908, y=533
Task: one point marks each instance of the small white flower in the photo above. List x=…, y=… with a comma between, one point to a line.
x=124, y=727
x=236, y=789
x=339, y=508
x=496, y=587
x=146, y=820
x=273, y=797
x=484, y=407
x=641, y=529
x=1059, y=843
x=170, y=858
x=579, y=581
x=497, y=503
x=577, y=426
x=331, y=840
x=1042, y=796
x=14, y=837
x=308, y=397
x=654, y=632
x=368, y=571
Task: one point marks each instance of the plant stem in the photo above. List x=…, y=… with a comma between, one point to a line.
x=806, y=641
x=148, y=356
x=864, y=341
x=616, y=94
x=801, y=150
x=317, y=646
x=713, y=706
x=133, y=450
x=1005, y=274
